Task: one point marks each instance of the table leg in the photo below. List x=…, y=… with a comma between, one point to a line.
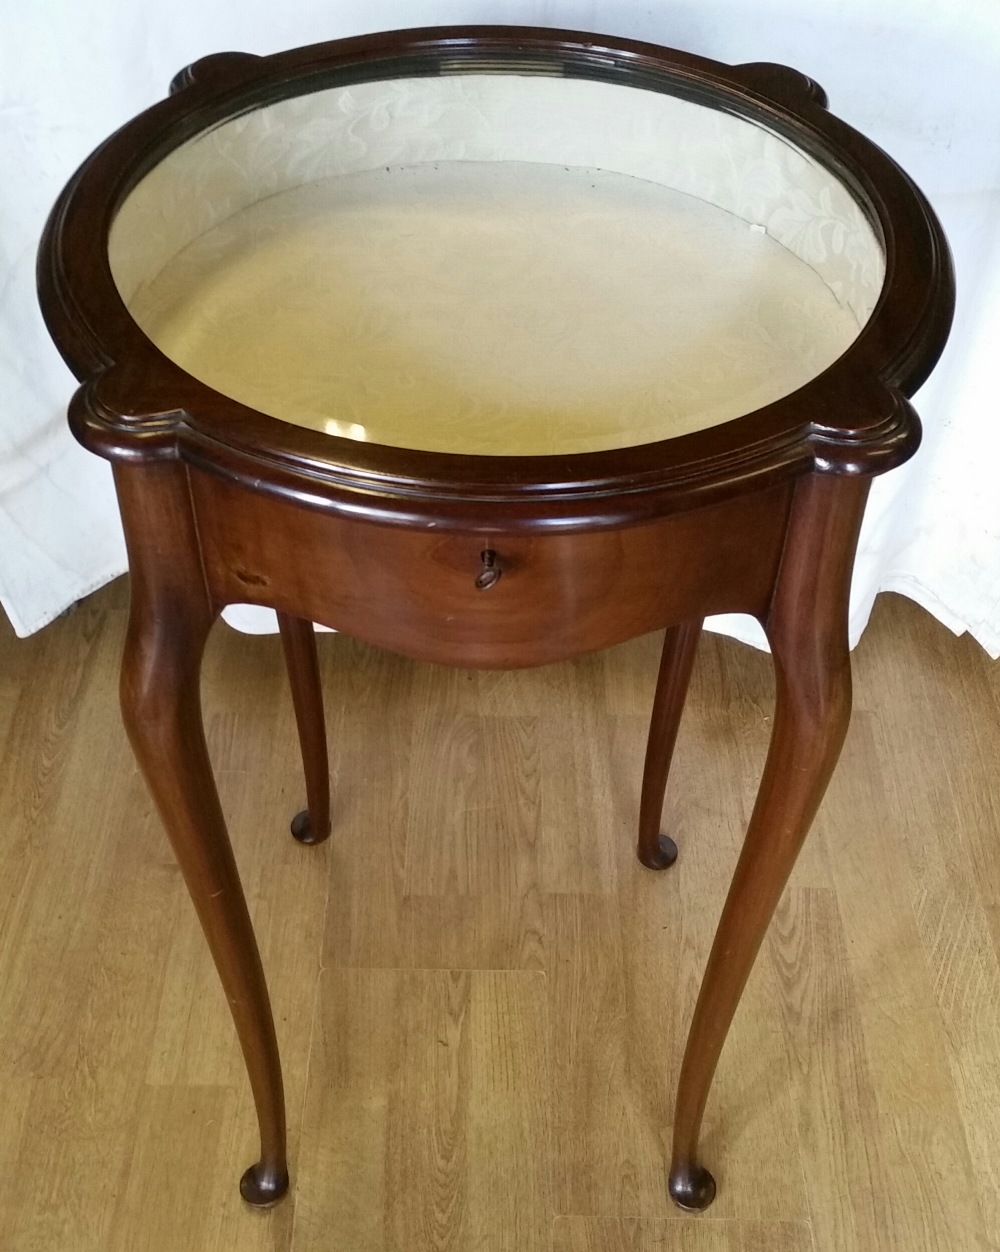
x=807, y=629
x=656, y=850
x=298, y=638
x=161, y=706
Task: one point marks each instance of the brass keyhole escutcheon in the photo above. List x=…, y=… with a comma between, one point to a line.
x=489, y=575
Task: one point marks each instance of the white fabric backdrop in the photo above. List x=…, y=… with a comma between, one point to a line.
x=917, y=76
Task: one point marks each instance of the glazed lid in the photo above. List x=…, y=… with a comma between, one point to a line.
x=315, y=136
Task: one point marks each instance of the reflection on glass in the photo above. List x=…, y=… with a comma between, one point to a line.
x=346, y=430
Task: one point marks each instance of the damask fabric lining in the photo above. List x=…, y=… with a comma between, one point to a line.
x=496, y=264
x=911, y=76
x=706, y=154
x=457, y=307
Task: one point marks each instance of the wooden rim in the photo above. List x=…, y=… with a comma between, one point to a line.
x=134, y=404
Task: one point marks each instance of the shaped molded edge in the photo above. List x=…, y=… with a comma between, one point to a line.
x=217, y=68
x=782, y=84
x=103, y=424
x=106, y=420
x=888, y=437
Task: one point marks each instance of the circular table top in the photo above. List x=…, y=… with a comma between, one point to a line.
x=481, y=271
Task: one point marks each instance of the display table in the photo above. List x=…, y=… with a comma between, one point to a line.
x=494, y=347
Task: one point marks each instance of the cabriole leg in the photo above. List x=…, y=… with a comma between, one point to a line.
x=656, y=850
x=298, y=638
x=161, y=705
x=807, y=629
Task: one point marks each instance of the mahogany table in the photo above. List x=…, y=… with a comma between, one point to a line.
x=493, y=346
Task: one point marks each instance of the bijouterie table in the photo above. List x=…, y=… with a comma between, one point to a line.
x=493, y=346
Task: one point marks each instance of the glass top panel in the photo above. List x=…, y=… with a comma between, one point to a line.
x=497, y=306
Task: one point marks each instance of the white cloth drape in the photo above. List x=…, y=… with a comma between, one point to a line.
x=917, y=76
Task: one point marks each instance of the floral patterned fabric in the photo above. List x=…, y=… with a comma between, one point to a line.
x=500, y=308
x=716, y=157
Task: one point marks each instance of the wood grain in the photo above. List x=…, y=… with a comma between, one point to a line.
x=460, y=1058
x=481, y=1034
x=575, y=1234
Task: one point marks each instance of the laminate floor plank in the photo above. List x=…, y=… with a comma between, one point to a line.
x=947, y=819
x=602, y=1234
x=459, y=1059
x=442, y=869
x=915, y=1106
x=160, y=1203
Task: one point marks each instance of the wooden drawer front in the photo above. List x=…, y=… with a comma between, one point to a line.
x=557, y=596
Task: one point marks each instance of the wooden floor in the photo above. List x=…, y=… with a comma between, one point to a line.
x=481, y=996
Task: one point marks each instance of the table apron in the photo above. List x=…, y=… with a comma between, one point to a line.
x=558, y=595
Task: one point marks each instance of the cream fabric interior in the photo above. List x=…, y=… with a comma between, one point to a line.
x=496, y=264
